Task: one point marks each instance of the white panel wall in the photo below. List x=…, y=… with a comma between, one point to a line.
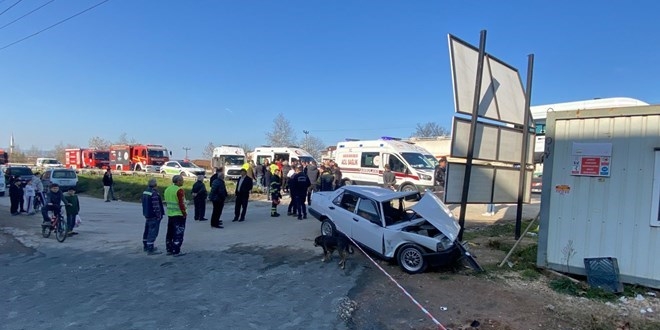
x=609, y=216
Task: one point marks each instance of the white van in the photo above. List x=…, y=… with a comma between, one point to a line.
x=231, y=158
x=362, y=162
x=290, y=154
x=48, y=163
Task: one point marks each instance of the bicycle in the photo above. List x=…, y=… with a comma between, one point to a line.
x=58, y=224
x=38, y=202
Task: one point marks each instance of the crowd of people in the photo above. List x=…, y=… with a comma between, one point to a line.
x=300, y=180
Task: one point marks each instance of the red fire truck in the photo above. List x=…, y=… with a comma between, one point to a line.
x=4, y=158
x=86, y=158
x=138, y=157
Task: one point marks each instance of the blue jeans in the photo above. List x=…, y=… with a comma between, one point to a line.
x=151, y=227
x=70, y=221
x=176, y=226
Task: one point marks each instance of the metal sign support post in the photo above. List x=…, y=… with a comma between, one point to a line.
x=525, y=143
x=473, y=132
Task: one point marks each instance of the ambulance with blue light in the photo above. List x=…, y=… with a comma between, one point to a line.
x=362, y=162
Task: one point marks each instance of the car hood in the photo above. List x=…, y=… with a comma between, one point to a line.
x=437, y=214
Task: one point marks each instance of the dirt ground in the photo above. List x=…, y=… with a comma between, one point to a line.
x=318, y=295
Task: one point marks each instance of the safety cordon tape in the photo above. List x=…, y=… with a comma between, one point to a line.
x=440, y=326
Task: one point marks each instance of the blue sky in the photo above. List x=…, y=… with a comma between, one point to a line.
x=185, y=73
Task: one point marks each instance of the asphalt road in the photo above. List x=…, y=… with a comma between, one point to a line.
x=263, y=273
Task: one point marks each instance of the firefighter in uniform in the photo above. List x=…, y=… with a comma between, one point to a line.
x=176, y=215
x=275, y=194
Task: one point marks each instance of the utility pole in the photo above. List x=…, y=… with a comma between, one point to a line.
x=306, y=132
x=186, y=149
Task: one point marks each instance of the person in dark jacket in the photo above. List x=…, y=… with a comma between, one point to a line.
x=326, y=179
x=439, y=173
x=275, y=194
x=52, y=203
x=338, y=176
x=298, y=185
x=218, y=171
x=217, y=196
x=108, y=182
x=153, y=211
x=313, y=174
x=72, y=207
x=389, y=179
x=199, y=198
x=243, y=189
x=15, y=196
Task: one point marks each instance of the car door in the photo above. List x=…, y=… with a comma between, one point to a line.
x=170, y=168
x=367, y=225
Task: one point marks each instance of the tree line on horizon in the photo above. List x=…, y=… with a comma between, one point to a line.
x=282, y=134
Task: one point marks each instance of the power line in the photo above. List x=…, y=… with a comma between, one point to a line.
x=18, y=19
x=54, y=25
x=10, y=7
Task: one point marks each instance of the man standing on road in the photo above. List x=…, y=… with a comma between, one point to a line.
x=217, y=197
x=313, y=174
x=338, y=176
x=326, y=179
x=439, y=176
x=214, y=176
x=176, y=216
x=243, y=189
x=152, y=209
x=108, y=182
x=299, y=184
x=199, y=198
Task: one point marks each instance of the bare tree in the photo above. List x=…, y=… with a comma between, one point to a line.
x=99, y=143
x=123, y=139
x=429, y=129
x=246, y=147
x=58, y=151
x=282, y=134
x=313, y=145
x=207, y=153
x=18, y=156
x=34, y=152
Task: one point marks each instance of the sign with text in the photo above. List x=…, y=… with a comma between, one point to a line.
x=591, y=166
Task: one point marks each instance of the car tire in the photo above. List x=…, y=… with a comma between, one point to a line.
x=408, y=187
x=138, y=168
x=328, y=228
x=411, y=259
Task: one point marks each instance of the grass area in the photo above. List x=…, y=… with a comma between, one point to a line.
x=496, y=230
x=130, y=188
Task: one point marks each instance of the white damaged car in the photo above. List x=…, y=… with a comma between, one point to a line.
x=424, y=234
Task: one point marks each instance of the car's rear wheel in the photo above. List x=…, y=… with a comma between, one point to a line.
x=328, y=228
x=411, y=259
x=138, y=168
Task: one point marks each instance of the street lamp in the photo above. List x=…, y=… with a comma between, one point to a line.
x=306, y=132
x=186, y=149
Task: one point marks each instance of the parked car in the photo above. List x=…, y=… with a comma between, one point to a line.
x=64, y=177
x=182, y=167
x=537, y=184
x=23, y=173
x=422, y=235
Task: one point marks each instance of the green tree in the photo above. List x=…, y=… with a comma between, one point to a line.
x=429, y=129
x=282, y=134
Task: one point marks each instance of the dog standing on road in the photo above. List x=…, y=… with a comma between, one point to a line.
x=332, y=243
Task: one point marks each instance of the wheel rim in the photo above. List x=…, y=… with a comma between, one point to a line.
x=326, y=228
x=408, y=188
x=45, y=231
x=411, y=259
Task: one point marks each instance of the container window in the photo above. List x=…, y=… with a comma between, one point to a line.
x=655, y=201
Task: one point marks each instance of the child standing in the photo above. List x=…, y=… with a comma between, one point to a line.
x=72, y=206
x=29, y=198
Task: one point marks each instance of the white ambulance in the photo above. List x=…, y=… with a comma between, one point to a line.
x=362, y=162
x=290, y=154
x=229, y=157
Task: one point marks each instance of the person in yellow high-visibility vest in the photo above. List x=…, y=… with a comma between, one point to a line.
x=175, y=204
